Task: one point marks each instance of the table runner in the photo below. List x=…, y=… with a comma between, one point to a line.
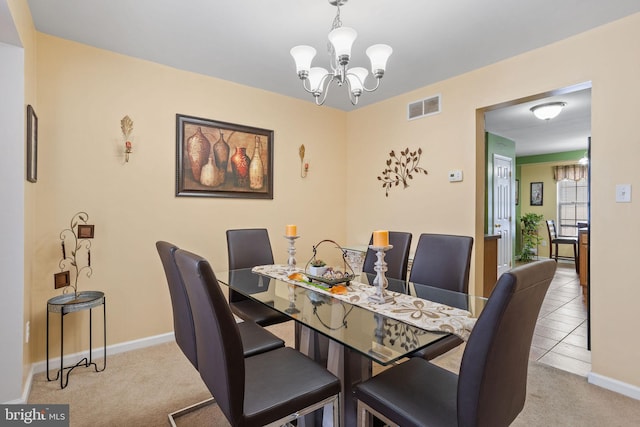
x=425, y=314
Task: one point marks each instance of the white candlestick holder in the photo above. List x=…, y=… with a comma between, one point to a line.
x=380, y=282
x=291, y=263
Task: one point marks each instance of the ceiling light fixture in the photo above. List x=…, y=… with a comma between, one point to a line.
x=316, y=80
x=548, y=111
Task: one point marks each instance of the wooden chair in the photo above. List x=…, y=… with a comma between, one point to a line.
x=491, y=388
x=555, y=241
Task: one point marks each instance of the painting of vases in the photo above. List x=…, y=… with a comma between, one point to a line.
x=218, y=159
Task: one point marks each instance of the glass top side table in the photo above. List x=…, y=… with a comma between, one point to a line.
x=70, y=303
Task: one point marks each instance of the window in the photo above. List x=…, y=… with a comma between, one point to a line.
x=572, y=205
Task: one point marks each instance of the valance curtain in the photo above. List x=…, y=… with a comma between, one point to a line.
x=571, y=172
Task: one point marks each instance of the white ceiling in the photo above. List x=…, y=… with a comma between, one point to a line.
x=248, y=41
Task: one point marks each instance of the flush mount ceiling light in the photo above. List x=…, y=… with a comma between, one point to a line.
x=548, y=111
x=316, y=80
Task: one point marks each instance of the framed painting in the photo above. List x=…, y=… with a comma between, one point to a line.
x=32, y=145
x=517, y=192
x=536, y=194
x=218, y=159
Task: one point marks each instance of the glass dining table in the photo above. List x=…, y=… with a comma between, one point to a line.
x=347, y=336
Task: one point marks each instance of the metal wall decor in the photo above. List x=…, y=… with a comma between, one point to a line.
x=126, y=125
x=401, y=169
x=76, y=252
x=217, y=159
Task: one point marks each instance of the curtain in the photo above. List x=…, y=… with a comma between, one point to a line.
x=571, y=172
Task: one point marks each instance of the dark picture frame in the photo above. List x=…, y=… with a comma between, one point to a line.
x=85, y=231
x=32, y=145
x=536, y=194
x=62, y=279
x=219, y=159
x=517, y=192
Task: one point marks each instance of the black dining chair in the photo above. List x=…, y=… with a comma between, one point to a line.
x=442, y=261
x=248, y=248
x=555, y=241
x=255, y=339
x=273, y=387
x=397, y=258
x=490, y=389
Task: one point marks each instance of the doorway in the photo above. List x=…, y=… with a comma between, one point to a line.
x=548, y=140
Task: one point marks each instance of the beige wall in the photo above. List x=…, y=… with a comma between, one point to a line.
x=608, y=57
x=84, y=92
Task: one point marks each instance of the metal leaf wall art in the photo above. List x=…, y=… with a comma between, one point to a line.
x=401, y=169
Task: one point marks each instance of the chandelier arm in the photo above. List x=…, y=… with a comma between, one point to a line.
x=352, y=97
x=378, y=79
x=321, y=98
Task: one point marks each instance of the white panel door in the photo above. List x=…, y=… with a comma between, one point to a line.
x=503, y=205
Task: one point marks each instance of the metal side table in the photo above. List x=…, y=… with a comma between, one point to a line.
x=69, y=303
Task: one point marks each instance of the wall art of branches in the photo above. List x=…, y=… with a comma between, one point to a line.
x=401, y=169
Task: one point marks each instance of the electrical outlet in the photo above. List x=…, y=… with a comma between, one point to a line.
x=27, y=330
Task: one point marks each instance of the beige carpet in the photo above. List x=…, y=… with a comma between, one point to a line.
x=141, y=387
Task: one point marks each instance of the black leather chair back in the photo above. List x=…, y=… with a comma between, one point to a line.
x=492, y=382
x=182, y=318
x=219, y=347
x=247, y=248
x=443, y=261
x=397, y=258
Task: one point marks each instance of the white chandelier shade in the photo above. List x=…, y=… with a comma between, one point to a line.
x=316, y=80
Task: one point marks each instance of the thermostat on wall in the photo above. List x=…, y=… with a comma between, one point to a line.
x=455, y=175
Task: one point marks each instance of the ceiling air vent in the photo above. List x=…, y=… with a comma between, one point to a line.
x=424, y=107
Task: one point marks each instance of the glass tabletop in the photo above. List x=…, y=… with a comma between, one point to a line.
x=376, y=336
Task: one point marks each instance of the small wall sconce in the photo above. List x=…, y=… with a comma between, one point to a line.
x=304, y=167
x=126, y=124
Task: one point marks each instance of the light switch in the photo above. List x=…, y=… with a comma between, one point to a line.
x=623, y=193
x=455, y=175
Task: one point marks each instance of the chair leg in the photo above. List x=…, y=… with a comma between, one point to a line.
x=188, y=409
x=365, y=412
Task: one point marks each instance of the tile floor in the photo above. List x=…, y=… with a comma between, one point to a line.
x=560, y=337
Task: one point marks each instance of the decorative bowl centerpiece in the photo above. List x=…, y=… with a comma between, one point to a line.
x=318, y=271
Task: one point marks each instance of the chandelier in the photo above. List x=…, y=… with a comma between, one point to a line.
x=317, y=80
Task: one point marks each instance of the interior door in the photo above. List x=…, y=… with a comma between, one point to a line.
x=503, y=206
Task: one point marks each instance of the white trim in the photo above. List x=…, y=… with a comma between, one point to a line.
x=614, y=385
x=41, y=366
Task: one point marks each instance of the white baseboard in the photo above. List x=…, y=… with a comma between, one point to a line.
x=614, y=385
x=97, y=353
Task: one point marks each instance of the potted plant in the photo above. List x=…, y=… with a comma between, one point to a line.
x=530, y=238
x=318, y=267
